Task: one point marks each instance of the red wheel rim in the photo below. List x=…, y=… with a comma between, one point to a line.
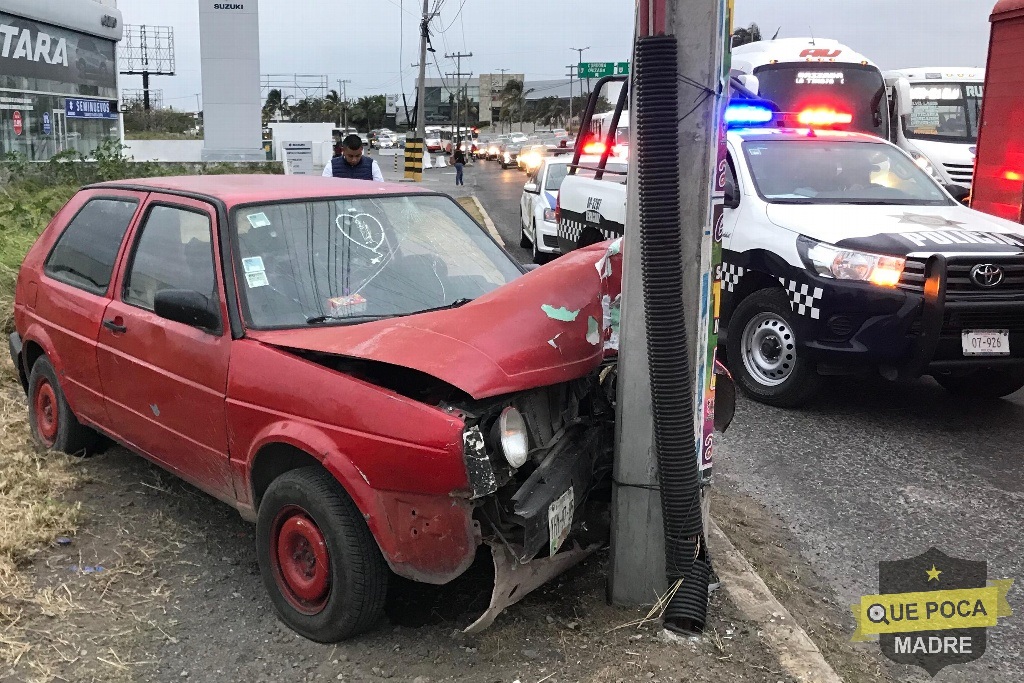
x=301, y=562
x=46, y=412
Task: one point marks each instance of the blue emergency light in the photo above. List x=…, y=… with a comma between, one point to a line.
x=742, y=114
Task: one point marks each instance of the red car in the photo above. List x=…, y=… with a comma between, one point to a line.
x=358, y=368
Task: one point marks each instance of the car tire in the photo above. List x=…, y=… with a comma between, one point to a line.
x=524, y=241
x=762, y=352
x=986, y=383
x=54, y=426
x=325, y=574
x=539, y=257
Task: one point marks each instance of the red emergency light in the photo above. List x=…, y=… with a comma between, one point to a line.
x=820, y=116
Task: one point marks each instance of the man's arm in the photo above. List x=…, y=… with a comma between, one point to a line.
x=378, y=177
x=328, y=170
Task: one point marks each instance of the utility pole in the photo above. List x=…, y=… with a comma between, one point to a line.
x=580, y=51
x=501, y=124
x=572, y=72
x=694, y=31
x=417, y=148
x=342, y=86
x=458, y=91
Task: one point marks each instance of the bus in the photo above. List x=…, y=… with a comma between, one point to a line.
x=816, y=81
x=940, y=126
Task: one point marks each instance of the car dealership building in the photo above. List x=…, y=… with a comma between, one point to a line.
x=58, y=76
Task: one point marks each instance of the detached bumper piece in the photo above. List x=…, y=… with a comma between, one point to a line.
x=14, y=345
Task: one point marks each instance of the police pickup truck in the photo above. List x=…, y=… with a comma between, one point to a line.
x=841, y=255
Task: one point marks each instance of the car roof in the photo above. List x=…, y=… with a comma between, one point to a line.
x=243, y=189
x=762, y=134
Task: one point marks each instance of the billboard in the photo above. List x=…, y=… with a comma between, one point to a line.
x=30, y=49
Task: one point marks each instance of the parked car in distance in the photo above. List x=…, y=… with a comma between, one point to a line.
x=434, y=144
x=509, y=153
x=531, y=156
x=358, y=368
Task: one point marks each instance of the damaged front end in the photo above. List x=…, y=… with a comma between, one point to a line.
x=539, y=465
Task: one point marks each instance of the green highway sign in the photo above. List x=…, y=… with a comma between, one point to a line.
x=601, y=69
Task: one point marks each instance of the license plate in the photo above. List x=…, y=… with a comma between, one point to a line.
x=560, y=520
x=986, y=342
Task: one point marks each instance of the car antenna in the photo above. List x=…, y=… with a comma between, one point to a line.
x=776, y=33
x=811, y=29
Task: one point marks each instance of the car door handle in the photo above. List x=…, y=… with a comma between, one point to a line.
x=114, y=326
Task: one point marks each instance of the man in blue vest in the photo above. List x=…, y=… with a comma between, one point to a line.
x=349, y=162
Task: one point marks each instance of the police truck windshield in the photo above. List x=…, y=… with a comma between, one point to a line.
x=854, y=89
x=945, y=112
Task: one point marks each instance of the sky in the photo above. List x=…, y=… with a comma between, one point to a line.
x=374, y=44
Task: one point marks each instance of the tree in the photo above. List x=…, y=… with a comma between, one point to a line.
x=514, y=102
x=276, y=107
x=743, y=36
x=335, y=106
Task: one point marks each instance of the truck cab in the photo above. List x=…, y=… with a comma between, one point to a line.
x=936, y=116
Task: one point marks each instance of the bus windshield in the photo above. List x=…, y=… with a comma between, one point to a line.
x=947, y=112
x=856, y=89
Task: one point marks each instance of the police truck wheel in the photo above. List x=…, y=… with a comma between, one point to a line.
x=762, y=349
x=54, y=426
x=984, y=383
x=324, y=572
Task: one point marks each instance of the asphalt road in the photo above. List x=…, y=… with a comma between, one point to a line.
x=871, y=471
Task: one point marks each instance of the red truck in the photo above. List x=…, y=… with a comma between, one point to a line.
x=999, y=165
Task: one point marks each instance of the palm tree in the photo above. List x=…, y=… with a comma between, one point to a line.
x=334, y=106
x=743, y=36
x=276, y=107
x=513, y=100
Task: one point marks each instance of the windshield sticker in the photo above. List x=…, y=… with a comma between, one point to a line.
x=925, y=115
x=257, y=279
x=258, y=220
x=820, y=78
x=253, y=264
x=346, y=305
x=563, y=313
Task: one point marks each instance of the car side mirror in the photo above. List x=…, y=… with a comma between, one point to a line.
x=732, y=198
x=188, y=307
x=750, y=82
x=532, y=188
x=904, y=103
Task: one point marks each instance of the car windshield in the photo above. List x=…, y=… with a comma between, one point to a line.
x=557, y=173
x=947, y=112
x=357, y=259
x=821, y=171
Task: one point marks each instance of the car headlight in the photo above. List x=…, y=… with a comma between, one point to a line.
x=925, y=165
x=507, y=157
x=549, y=215
x=515, y=443
x=845, y=264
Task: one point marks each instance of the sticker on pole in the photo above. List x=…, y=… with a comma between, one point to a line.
x=560, y=520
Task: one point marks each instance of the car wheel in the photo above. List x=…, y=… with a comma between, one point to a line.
x=319, y=561
x=762, y=350
x=984, y=383
x=54, y=426
x=524, y=240
x=539, y=257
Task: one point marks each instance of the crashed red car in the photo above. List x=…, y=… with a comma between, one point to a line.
x=359, y=368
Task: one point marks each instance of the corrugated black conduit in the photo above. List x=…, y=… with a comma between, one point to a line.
x=657, y=155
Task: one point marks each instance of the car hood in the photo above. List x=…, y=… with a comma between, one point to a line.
x=551, y=325
x=901, y=230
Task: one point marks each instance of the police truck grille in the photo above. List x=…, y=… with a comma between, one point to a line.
x=960, y=286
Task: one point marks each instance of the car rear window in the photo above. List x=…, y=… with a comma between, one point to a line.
x=85, y=253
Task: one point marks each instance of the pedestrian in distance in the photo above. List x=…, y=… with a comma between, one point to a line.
x=459, y=160
x=349, y=162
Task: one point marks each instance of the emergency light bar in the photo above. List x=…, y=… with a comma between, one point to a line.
x=737, y=115
x=823, y=117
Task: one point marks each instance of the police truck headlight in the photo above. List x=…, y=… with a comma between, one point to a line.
x=515, y=443
x=845, y=264
x=549, y=216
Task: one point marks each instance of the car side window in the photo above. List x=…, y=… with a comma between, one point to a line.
x=84, y=254
x=174, y=251
x=731, y=185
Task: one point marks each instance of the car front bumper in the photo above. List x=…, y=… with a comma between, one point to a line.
x=547, y=237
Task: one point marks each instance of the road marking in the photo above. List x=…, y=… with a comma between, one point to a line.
x=797, y=653
x=488, y=223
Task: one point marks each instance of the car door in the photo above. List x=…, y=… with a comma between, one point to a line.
x=526, y=203
x=73, y=292
x=164, y=381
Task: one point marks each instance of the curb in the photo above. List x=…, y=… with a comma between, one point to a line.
x=488, y=223
x=797, y=653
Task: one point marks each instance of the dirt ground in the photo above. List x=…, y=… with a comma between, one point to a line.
x=159, y=582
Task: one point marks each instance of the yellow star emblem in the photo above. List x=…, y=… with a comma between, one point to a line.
x=933, y=573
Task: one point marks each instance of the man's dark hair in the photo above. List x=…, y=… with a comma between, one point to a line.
x=353, y=142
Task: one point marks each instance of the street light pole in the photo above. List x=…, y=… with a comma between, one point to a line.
x=571, y=73
x=580, y=51
x=343, y=86
x=501, y=124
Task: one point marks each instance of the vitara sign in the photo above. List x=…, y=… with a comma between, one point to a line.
x=39, y=51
